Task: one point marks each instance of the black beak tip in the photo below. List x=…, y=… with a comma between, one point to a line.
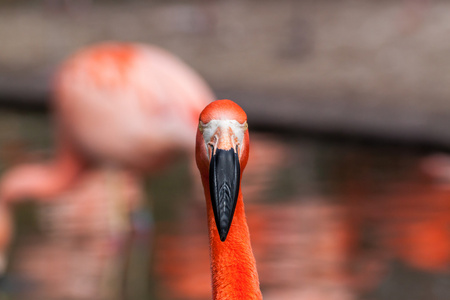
x=223, y=235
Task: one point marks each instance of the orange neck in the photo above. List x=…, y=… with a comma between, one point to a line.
x=233, y=267
x=42, y=181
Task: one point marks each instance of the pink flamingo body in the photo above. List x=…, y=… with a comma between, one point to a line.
x=128, y=105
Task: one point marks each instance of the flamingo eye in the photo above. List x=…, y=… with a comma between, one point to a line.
x=200, y=127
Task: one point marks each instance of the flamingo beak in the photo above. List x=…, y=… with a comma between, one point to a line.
x=224, y=180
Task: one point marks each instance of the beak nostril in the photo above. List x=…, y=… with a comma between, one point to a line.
x=212, y=146
x=236, y=144
x=210, y=150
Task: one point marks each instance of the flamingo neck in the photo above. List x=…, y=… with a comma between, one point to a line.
x=40, y=181
x=233, y=266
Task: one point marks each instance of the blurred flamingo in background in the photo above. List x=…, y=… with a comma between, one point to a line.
x=117, y=106
x=127, y=105
x=222, y=150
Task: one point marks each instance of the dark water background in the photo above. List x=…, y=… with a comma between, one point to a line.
x=328, y=220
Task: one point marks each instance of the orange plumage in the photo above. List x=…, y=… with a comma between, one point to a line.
x=233, y=266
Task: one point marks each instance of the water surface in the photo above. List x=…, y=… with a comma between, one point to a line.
x=328, y=220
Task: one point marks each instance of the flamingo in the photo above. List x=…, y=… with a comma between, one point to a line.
x=128, y=105
x=222, y=149
x=117, y=107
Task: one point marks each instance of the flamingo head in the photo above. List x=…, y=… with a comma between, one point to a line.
x=222, y=149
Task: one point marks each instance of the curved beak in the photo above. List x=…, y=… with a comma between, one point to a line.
x=224, y=180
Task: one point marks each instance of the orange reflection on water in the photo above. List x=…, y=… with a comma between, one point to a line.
x=342, y=239
x=82, y=248
x=415, y=225
x=335, y=245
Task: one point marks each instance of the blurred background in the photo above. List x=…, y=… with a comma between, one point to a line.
x=348, y=184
